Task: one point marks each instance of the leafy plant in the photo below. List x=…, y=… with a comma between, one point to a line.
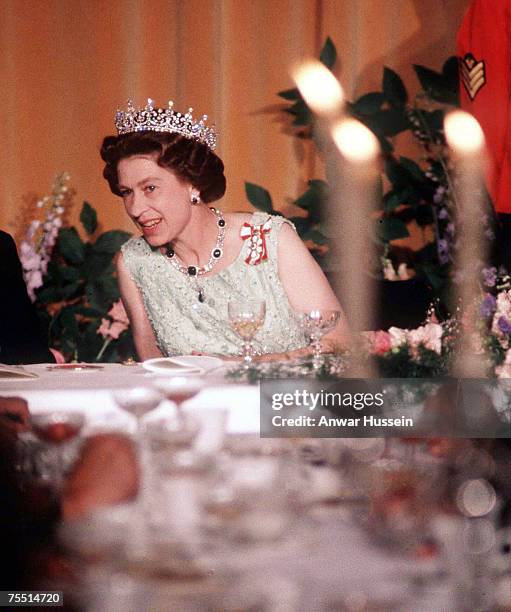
x=420, y=190
x=80, y=289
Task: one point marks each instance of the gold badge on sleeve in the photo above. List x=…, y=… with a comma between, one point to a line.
x=473, y=74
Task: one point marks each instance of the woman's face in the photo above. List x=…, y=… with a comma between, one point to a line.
x=155, y=199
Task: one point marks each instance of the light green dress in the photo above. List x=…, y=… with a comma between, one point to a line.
x=181, y=324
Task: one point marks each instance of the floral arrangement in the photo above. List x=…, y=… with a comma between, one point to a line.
x=72, y=281
x=419, y=190
x=495, y=320
x=413, y=353
x=37, y=245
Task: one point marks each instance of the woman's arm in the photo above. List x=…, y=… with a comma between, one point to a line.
x=305, y=284
x=143, y=335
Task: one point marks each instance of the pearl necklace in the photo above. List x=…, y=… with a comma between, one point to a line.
x=216, y=253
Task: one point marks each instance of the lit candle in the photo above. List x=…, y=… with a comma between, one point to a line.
x=466, y=139
x=351, y=217
x=319, y=88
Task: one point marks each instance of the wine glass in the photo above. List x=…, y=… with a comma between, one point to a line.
x=58, y=428
x=137, y=401
x=317, y=323
x=246, y=317
x=179, y=389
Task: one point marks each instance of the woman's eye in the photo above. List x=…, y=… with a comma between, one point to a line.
x=149, y=188
x=124, y=192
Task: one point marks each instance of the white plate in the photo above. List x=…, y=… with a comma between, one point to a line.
x=183, y=364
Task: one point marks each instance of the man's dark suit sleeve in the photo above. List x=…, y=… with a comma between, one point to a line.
x=21, y=339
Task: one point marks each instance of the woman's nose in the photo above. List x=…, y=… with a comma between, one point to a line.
x=135, y=205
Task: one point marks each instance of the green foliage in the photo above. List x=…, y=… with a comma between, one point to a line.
x=259, y=197
x=399, y=363
x=442, y=86
x=79, y=289
x=89, y=218
x=387, y=113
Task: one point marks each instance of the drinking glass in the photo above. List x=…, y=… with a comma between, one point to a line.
x=137, y=401
x=317, y=323
x=179, y=389
x=246, y=317
x=58, y=428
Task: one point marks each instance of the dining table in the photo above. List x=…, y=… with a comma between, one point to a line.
x=325, y=559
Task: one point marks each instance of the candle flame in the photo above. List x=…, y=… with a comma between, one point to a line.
x=463, y=132
x=319, y=88
x=356, y=142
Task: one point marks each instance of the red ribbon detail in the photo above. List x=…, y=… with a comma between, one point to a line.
x=256, y=233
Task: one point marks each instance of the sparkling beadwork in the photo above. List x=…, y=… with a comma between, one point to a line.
x=168, y=295
x=153, y=119
x=192, y=271
x=216, y=253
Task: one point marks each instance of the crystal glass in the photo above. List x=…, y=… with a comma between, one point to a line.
x=246, y=317
x=315, y=324
x=137, y=401
x=58, y=428
x=179, y=389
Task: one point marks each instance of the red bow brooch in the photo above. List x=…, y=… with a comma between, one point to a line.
x=255, y=233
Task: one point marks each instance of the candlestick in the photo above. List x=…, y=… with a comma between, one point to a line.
x=466, y=139
x=355, y=202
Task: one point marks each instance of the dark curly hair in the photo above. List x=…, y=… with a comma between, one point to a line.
x=188, y=159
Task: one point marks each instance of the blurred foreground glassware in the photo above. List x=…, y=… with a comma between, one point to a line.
x=249, y=500
x=137, y=401
x=315, y=324
x=179, y=389
x=246, y=317
x=58, y=428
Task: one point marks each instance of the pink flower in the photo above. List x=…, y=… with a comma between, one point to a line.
x=116, y=329
x=381, y=343
x=104, y=328
x=397, y=336
x=118, y=313
x=120, y=322
x=432, y=337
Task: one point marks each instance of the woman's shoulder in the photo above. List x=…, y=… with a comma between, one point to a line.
x=256, y=218
x=136, y=244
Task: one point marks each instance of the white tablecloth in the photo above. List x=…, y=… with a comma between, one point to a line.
x=91, y=392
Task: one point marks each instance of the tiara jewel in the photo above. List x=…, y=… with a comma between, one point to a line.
x=153, y=119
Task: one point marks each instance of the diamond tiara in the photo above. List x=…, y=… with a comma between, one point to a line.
x=153, y=119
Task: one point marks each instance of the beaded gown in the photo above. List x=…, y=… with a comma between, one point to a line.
x=182, y=324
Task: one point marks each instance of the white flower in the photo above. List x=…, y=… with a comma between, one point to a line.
x=398, y=336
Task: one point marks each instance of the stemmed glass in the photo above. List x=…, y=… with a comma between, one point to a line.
x=317, y=323
x=246, y=317
x=58, y=427
x=179, y=389
x=137, y=401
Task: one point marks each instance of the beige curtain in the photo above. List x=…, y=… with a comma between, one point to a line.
x=65, y=66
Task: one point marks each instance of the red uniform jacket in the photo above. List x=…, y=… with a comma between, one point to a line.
x=484, y=50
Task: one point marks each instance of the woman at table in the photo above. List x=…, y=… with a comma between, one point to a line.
x=191, y=259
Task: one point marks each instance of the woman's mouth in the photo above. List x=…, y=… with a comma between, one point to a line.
x=149, y=227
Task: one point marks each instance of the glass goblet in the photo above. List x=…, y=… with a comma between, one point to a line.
x=57, y=428
x=315, y=324
x=137, y=401
x=246, y=317
x=179, y=389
